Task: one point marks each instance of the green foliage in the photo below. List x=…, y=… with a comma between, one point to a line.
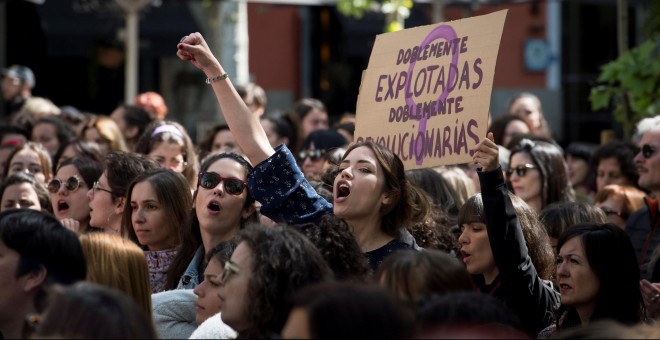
x=632, y=84
x=396, y=10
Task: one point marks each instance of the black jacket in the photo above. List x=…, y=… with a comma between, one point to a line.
x=532, y=299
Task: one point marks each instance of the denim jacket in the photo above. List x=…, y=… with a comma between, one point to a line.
x=191, y=277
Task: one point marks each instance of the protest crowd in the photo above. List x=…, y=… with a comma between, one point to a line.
x=281, y=225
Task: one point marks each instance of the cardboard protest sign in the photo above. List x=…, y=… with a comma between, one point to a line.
x=426, y=92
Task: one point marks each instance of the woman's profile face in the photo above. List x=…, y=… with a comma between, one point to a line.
x=475, y=250
x=578, y=284
x=578, y=169
x=233, y=292
x=359, y=188
x=208, y=301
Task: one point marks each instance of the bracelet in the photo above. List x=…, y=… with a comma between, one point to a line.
x=217, y=78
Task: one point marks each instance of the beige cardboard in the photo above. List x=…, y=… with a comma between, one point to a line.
x=464, y=51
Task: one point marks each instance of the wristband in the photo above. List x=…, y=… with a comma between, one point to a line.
x=217, y=78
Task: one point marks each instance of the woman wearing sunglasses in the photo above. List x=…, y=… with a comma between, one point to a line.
x=158, y=205
x=315, y=147
x=68, y=191
x=222, y=206
x=107, y=196
x=538, y=174
x=370, y=190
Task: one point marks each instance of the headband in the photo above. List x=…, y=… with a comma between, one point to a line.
x=167, y=128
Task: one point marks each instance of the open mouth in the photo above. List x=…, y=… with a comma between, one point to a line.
x=214, y=206
x=62, y=205
x=343, y=190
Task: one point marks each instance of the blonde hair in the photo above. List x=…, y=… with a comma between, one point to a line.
x=460, y=181
x=118, y=263
x=110, y=131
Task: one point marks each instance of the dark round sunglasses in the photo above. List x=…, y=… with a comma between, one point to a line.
x=72, y=184
x=521, y=170
x=210, y=180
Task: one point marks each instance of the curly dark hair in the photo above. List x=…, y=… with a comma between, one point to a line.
x=624, y=153
x=339, y=248
x=284, y=261
x=435, y=233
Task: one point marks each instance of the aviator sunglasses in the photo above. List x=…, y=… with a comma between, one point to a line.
x=71, y=184
x=648, y=150
x=210, y=180
x=521, y=170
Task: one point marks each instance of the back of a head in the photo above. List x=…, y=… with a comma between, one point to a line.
x=338, y=247
x=153, y=103
x=121, y=168
x=42, y=239
x=118, y=263
x=324, y=140
x=349, y=310
x=284, y=261
x=472, y=314
x=91, y=311
x=438, y=187
x=415, y=276
x=560, y=216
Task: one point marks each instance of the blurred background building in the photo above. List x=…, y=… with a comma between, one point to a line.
x=302, y=48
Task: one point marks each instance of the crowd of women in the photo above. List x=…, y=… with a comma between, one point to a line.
x=278, y=225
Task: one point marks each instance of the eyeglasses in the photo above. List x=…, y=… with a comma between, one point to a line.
x=521, y=170
x=96, y=188
x=210, y=180
x=648, y=150
x=229, y=270
x=313, y=155
x=72, y=184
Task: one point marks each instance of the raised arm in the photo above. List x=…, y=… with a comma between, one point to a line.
x=244, y=125
x=533, y=300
